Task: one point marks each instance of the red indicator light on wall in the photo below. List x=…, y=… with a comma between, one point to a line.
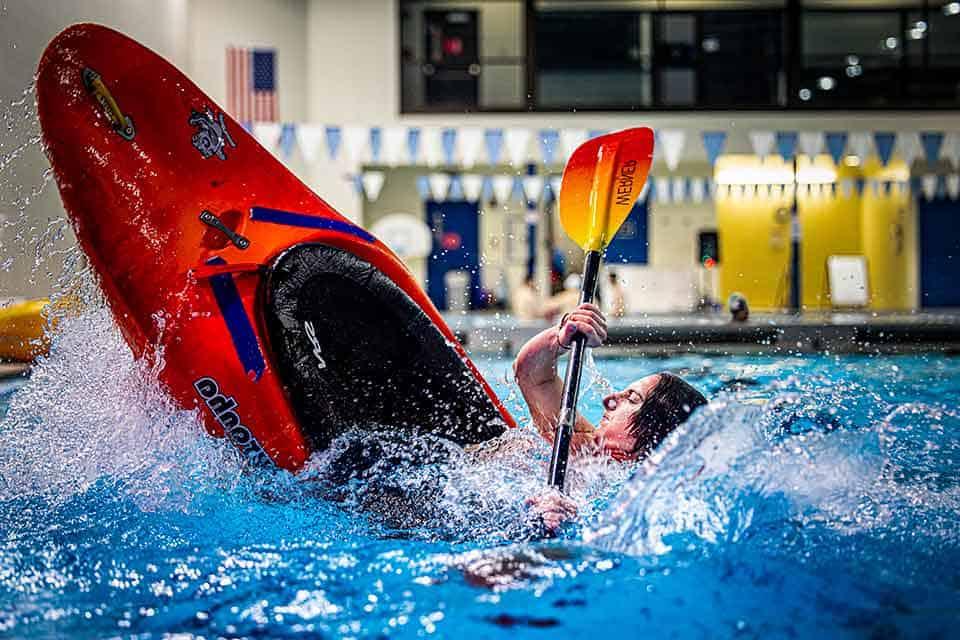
x=450, y=241
x=709, y=263
x=453, y=46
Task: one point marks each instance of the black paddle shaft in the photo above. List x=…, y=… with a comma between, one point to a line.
x=571, y=383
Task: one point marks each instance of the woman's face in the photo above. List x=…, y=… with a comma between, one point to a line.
x=613, y=430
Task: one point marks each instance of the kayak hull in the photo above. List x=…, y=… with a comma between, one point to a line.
x=184, y=217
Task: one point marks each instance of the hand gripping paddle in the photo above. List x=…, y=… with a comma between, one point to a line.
x=601, y=183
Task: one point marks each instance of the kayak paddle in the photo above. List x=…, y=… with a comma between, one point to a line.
x=601, y=183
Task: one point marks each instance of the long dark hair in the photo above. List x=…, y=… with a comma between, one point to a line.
x=669, y=404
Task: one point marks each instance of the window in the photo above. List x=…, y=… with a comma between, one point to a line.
x=592, y=59
x=719, y=58
x=677, y=59
x=943, y=40
x=850, y=58
x=889, y=58
x=557, y=55
x=742, y=53
x=933, y=56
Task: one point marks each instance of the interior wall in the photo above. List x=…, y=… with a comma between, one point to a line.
x=352, y=77
x=673, y=233
x=353, y=61
x=830, y=225
x=887, y=229
x=889, y=222
x=754, y=236
x=671, y=280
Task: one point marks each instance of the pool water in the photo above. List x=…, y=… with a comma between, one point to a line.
x=817, y=496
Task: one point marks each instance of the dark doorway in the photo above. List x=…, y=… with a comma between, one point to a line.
x=939, y=253
x=456, y=248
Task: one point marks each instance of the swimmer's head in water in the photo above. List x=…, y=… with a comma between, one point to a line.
x=639, y=417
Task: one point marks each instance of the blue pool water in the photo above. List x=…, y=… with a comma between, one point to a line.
x=817, y=496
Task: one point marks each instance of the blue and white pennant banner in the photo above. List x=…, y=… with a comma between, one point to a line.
x=466, y=147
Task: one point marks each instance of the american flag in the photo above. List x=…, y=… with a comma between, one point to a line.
x=251, y=84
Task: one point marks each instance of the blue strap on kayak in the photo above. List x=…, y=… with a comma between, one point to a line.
x=237, y=321
x=276, y=216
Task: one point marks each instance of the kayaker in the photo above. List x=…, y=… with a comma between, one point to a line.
x=635, y=419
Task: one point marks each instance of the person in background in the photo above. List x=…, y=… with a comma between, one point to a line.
x=617, y=298
x=739, y=311
x=566, y=299
x=558, y=265
x=525, y=302
x=635, y=420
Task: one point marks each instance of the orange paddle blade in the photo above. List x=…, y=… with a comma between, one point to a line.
x=601, y=183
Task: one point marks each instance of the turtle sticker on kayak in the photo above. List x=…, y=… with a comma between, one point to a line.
x=212, y=135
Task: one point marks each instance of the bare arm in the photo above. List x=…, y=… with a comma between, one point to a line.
x=536, y=370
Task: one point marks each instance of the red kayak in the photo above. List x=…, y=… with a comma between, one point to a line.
x=284, y=323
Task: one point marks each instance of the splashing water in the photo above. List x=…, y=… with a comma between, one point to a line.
x=823, y=471
x=823, y=485
x=29, y=236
